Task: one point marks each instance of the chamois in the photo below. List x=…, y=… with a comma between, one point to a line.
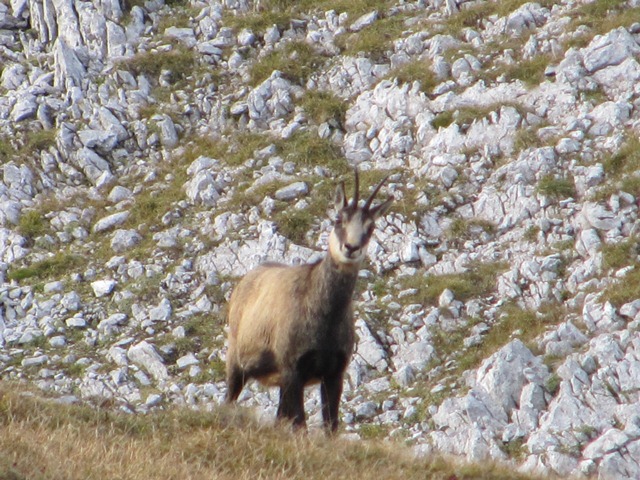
x=292, y=326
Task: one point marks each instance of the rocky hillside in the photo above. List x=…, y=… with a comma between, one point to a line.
x=154, y=151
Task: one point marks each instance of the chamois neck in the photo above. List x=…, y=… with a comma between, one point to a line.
x=335, y=282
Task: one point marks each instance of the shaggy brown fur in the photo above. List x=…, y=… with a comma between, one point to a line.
x=292, y=326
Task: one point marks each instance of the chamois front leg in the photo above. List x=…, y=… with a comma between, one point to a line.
x=235, y=381
x=330, y=392
x=291, y=406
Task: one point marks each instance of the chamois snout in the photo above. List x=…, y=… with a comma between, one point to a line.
x=292, y=326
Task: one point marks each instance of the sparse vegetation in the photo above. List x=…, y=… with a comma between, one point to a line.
x=515, y=449
x=526, y=138
x=514, y=321
x=294, y=224
x=38, y=140
x=416, y=72
x=529, y=71
x=54, y=266
x=621, y=254
x=324, y=107
x=477, y=281
x=179, y=60
x=296, y=61
x=602, y=16
x=625, y=290
x=443, y=119
x=374, y=40
x=31, y=224
x=625, y=160
x=558, y=188
x=462, y=230
x=474, y=15
x=6, y=150
x=306, y=148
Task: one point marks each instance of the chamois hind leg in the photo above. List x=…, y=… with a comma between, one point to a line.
x=330, y=393
x=235, y=381
x=291, y=406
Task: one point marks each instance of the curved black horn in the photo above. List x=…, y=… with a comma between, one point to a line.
x=354, y=201
x=373, y=195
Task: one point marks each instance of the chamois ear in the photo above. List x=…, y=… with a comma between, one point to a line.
x=340, y=197
x=379, y=210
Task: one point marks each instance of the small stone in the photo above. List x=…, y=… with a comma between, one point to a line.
x=153, y=399
x=293, y=191
x=162, y=312
x=187, y=360
x=123, y=240
x=34, y=361
x=53, y=287
x=58, y=341
x=76, y=322
x=102, y=288
x=364, y=21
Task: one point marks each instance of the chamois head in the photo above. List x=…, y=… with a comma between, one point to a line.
x=354, y=224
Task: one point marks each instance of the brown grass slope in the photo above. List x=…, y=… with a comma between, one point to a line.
x=42, y=439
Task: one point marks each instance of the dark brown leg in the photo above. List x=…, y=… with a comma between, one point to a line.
x=291, y=405
x=330, y=392
x=235, y=381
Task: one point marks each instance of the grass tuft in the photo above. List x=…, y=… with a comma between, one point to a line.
x=57, y=265
x=478, y=281
x=324, y=107
x=415, y=71
x=296, y=61
x=375, y=40
x=558, y=188
x=180, y=61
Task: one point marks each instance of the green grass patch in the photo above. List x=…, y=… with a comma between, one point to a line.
x=179, y=60
x=306, y=148
x=294, y=224
x=6, y=150
x=296, y=61
x=416, y=71
x=324, y=107
x=31, y=224
x=515, y=449
x=443, y=120
x=624, y=290
x=529, y=71
x=529, y=324
x=258, y=22
x=372, y=431
x=601, y=16
x=39, y=140
x=58, y=265
x=621, y=168
x=462, y=230
x=473, y=16
x=374, y=41
x=528, y=138
x=242, y=146
x=621, y=254
x=558, y=188
x=624, y=161
x=478, y=281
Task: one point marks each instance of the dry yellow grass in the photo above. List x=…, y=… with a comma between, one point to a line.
x=41, y=439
